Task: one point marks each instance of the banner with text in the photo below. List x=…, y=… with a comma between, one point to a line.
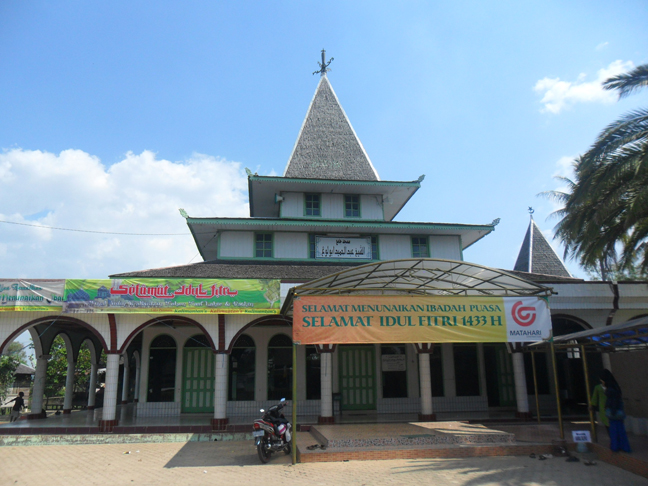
x=346, y=248
x=168, y=296
x=31, y=295
x=392, y=319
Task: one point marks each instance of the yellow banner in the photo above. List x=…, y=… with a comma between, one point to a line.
x=417, y=319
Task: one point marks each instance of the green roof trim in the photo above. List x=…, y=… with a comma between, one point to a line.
x=337, y=222
x=255, y=178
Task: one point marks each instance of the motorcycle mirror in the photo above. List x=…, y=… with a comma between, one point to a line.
x=262, y=411
x=282, y=400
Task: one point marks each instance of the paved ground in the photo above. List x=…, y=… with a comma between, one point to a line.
x=235, y=463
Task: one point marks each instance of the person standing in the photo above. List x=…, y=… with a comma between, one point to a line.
x=615, y=413
x=597, y=403
x=17, y=407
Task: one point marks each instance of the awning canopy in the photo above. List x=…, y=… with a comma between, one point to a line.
x=627, y=336
x=419, y=276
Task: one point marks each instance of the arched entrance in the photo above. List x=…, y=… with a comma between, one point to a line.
x=573, y=393
x=162, y=369
x=242, y=369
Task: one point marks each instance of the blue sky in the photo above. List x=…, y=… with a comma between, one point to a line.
x=115, y=114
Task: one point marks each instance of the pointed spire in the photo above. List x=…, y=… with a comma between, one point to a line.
x=327, y=147
x=537, y=255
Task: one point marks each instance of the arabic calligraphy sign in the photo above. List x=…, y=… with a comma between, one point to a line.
x=351, y=248
x=419, y=319
x=31, y=295
x=169, y=296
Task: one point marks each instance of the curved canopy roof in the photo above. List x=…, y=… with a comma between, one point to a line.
x=420, y=276
x=627, y=336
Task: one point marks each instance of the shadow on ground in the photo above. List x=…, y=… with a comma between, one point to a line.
x=522, y=471
x=222, y=453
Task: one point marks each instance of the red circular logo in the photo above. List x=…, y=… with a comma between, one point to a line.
x=523, y=316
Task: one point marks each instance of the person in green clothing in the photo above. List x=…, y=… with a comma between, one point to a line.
x=597, y=403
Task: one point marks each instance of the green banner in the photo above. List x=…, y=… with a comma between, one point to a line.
x=169, y=296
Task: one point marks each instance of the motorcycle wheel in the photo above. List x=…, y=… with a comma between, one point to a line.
x=288, y=449
x=264, y=454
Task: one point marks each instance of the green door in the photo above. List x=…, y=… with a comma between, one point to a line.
x=505, y=377
x=198, y=380
x=357, y=366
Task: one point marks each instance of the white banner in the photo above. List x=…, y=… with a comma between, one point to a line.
x=31, y=295
x=527, y=319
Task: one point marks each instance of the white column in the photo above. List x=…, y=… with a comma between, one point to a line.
x=326, y=385
x=483, y=390
x=177, y=395
x=145, y=361
x=112, y=385
x=92, y=385
x=125, y=379
x=449, y=383
x=220, y=386
x=39, y=384
x=69, y=387
x=607, y=364
x=138, y=377
x=521, y=396
x=425, y=382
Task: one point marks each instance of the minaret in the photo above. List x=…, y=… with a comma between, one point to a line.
x=537, y=255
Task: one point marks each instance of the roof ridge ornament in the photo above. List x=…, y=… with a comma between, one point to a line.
x=323, y=65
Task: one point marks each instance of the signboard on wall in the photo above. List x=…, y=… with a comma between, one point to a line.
x=173, y=296
x=394, y=362
x=419, y=319
x=31, y=295
x=346, y=248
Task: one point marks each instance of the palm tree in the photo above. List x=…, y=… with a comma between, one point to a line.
x=605, y=218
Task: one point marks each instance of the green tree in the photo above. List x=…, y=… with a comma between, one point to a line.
x=8, y=365
x=57, y=369
x=605, y=216
x=18, y=351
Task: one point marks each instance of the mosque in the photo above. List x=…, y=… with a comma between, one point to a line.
x=328, y=227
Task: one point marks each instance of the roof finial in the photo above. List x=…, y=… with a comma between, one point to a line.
x=531, y=211
x=323, y=65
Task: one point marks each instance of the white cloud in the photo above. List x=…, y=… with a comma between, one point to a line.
x=140, y=194
x=602, y=46
x=565, y=167
x=557, y=94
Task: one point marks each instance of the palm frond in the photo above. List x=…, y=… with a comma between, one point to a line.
x=628, y=83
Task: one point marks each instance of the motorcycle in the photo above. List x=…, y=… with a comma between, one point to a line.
x=272, y=432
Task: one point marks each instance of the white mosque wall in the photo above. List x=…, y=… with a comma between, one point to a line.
x=291, y=245
x=292, y=205
x=235, y=244
x=445, y=247
x=395, y=247
x=371, y=207
x=332, y=206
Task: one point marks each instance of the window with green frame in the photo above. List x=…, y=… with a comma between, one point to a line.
x=420, y=247
x=351, y=206
x=312, y=205
x=263, y=245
